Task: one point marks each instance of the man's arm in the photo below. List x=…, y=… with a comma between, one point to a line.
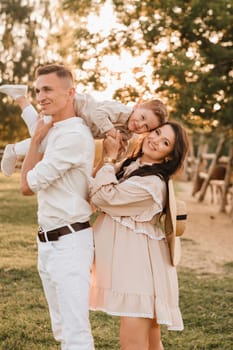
x=33, y=156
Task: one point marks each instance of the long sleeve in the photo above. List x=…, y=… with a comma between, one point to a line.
x=138, y=197
x=57, y=160
x=109, y=114
x=101, y=116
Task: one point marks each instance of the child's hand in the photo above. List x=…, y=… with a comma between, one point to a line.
x=112, y=133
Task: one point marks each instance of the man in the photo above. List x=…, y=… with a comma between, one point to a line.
x=60, y=179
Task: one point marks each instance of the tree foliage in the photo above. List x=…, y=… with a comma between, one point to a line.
x=195, y=67
x=22, y=39
x=186, y=46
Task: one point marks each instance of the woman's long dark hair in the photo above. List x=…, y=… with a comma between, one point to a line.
x=168, y=168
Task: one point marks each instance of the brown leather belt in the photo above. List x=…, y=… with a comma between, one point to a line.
x=54, y=235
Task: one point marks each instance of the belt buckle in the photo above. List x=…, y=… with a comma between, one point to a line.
x=44, y=233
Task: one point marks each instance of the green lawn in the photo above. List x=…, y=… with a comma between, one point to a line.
x=205, y=300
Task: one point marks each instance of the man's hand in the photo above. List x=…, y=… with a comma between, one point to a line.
x=41, y=130
x=33, y=155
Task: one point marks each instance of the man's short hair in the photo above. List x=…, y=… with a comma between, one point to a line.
x=59, y=70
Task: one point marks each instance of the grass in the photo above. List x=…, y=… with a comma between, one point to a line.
x=205, y=300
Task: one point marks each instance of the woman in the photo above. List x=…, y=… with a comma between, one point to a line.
x=132, y=275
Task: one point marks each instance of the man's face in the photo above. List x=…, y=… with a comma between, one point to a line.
x=53, y=95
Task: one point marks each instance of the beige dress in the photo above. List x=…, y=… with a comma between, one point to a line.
x=132, y=273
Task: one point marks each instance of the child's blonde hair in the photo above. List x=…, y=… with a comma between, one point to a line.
x=158, y=108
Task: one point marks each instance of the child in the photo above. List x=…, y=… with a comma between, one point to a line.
x=103, y=118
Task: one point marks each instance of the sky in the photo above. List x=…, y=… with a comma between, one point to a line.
x=123, y=68
x=119, y=65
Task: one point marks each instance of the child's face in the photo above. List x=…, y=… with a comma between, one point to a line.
x=142, y=120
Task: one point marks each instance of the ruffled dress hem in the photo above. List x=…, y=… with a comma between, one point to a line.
x=122, y=304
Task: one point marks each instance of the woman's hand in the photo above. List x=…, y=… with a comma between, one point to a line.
x=112, y=132
x=112, y=146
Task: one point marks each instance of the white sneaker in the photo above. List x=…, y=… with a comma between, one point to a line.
x=8, y=161
x=14, y=91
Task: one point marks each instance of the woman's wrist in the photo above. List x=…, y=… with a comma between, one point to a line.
x=109, y=160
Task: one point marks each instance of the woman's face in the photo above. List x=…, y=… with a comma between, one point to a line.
x=158, y=144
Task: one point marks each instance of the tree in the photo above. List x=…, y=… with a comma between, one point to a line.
x=190, y=44
x=34, y=33
x=21, y=50
x=81, y=49
x=185, y=48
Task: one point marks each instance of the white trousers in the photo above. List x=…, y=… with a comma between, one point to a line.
x=64, y=267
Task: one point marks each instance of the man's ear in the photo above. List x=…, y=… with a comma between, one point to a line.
x=71, y=92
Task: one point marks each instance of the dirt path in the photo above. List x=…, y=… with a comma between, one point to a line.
x=208, y=239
